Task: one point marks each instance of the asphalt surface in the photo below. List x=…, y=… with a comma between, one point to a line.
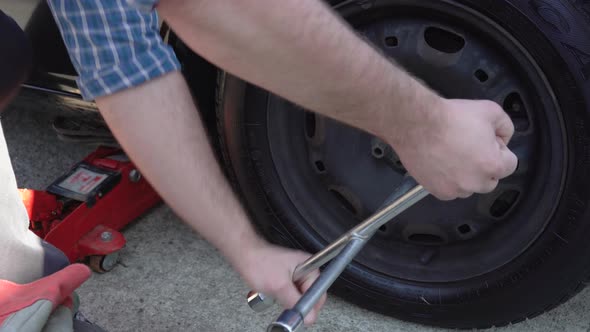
x=170, y=279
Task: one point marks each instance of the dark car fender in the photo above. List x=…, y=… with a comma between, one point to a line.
x=54, y=74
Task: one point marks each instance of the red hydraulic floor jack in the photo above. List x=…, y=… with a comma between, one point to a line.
x=82, y=212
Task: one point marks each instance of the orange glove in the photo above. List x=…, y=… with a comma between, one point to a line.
x=44, y=305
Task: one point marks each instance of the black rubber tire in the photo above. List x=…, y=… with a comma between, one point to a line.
x=553, y=269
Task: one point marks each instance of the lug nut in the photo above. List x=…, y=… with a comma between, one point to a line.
x=516, y=107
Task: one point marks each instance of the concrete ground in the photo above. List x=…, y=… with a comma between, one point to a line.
x=170, y=279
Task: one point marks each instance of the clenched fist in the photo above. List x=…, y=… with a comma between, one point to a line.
x=461, y=149
x=269, y=269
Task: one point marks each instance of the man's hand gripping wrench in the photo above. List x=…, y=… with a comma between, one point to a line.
x=341, y=252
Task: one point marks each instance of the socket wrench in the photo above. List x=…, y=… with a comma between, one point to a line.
x=340, y=253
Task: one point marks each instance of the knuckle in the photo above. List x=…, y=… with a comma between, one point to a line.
x=490, y=104
x=514, y=160
x=443, y=194
x=465, y=190
x=452, y=194
x=491, y=107
x=465, y=195
x=509, y=165
x=509, y=123
x=493, y=167
x=490, y=187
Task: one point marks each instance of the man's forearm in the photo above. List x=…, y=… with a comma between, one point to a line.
x=300, y=50
x=159, y=127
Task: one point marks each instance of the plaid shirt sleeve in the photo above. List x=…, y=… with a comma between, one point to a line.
x=113, y=44
x=143, y=5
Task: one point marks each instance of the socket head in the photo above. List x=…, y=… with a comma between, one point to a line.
x=289, y=321
x=259, y=302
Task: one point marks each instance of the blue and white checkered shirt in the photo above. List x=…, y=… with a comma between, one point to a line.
x=113, y=44
x=143, y=5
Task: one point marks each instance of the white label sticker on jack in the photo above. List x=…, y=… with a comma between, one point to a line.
x=83, y=181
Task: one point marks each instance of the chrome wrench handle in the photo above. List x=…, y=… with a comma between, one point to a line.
x=405, y=195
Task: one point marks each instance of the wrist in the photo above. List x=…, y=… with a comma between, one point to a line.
x=242, y=254
x=411, y=110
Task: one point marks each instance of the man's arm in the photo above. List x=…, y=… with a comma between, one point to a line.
x=134, y=78
x=176, y=156
x=302, y=51
x=159, y=127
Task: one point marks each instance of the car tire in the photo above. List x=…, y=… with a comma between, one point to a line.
x=555, y=264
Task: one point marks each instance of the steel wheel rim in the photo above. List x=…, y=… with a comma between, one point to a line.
x=328, y=212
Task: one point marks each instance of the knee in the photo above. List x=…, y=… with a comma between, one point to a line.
x=53, y=259
x=15, y=58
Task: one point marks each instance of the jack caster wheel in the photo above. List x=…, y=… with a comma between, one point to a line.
x=102, y=264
